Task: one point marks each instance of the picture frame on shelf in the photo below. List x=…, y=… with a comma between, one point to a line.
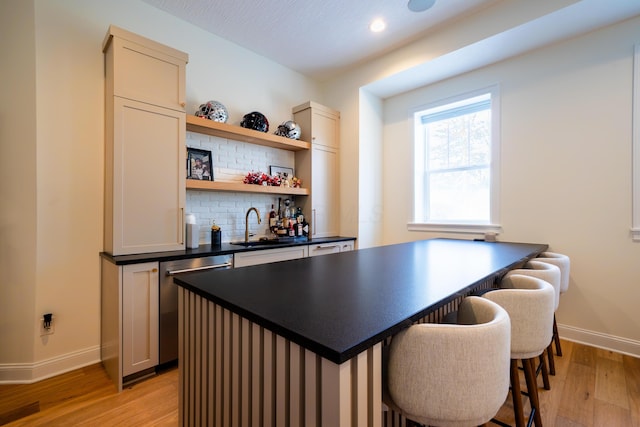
x=283, y=172
x=199, y=164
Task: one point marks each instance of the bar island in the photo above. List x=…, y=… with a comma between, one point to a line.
x=299, y=343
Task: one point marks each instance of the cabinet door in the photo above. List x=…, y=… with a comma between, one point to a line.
x=325, y=128
x=140, y=317
x=151, y=75
x=244, y=259
x=148, y=182
x=325, y=215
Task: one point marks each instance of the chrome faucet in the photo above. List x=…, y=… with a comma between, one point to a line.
x=246, y=223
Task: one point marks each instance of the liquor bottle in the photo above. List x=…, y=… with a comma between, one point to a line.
x=273, y=220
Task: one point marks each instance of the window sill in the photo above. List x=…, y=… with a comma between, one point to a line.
x=455, y=228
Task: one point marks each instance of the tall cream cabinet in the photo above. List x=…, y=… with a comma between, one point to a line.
x=145, y=131
x=318, y=167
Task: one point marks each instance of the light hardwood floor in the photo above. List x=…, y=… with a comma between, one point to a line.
x=592, y=387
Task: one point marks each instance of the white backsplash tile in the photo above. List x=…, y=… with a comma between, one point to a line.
x=232, y=160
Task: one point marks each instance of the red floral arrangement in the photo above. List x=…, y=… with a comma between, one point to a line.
x=260, y=178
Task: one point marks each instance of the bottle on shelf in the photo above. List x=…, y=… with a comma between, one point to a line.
x=273, y=220
x=287, y=209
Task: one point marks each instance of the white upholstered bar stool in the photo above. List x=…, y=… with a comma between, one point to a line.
x=451, y=374
x=551, y=274
x=563, y=262
x=530, y=302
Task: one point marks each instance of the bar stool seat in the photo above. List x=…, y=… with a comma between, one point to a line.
x=563, y=262
x=530, y=303
x=551, y=274
x=451, y=375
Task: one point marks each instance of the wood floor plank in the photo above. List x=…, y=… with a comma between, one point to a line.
x=564, y=422
x=577, y=401
x=608, y=414
x=19, y=412
x=608, y=354
x=611, y=385
x=632, y=378
x=550, y=399
x=584, y=355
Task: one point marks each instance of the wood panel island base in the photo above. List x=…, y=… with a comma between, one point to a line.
x=299, y=343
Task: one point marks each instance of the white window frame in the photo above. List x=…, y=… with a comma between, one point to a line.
x=493, y=225
x=635, y=226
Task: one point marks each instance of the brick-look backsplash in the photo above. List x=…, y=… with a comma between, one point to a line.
x=232, y=160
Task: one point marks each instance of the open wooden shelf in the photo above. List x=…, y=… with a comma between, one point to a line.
x=195, y=184
x=238, y=133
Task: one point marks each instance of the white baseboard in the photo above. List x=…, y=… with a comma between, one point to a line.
x=27, y=373
x=600, y=340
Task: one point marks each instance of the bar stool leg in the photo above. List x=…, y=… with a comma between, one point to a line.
x=552, y=363
x=545, y=373
x=532, y=390
x=556, y=337
x=518, y=412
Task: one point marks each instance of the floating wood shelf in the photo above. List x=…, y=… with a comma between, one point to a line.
x=238, y=133
x=195, y=184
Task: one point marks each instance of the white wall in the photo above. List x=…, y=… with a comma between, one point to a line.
x=566, y=171
x=18, y=164
x=55, y=103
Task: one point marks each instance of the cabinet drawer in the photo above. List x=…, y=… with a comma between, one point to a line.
x=346, y=246
x=245, y=259
x=324, y=249
x=330, y=248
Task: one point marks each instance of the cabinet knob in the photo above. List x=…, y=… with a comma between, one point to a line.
x=154, y=270
x=182, y=104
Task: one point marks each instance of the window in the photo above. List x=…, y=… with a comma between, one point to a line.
x=457, y=164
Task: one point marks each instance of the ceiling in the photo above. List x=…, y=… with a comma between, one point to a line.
x=318, y=38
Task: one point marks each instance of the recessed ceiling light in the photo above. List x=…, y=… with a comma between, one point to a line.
x=377, y=25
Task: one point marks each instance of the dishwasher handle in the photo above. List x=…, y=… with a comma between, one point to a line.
x=206, y=267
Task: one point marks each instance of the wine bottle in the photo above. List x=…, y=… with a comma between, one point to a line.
x=273, y=220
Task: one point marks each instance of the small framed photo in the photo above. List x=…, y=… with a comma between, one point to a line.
x=199, y=164
x=282, y=172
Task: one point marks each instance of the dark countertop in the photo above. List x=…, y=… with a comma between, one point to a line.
x=208, y=250
x=338, y=305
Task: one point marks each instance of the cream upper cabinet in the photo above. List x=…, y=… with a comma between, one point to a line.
x=319, y=167
x=145, y=134
x=146, y=71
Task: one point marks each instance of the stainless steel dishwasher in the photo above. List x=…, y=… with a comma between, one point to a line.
x=169, y=298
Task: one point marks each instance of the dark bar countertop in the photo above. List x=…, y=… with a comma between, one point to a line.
x=338, y=305
x=205, y=250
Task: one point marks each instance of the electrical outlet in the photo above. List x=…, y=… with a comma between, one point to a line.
x=51, y=327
